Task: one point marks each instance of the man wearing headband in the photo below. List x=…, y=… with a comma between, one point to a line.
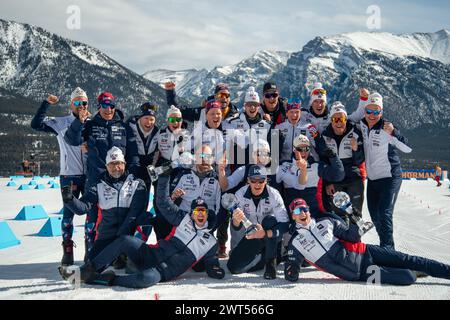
x=192, y=114
x=72, y=159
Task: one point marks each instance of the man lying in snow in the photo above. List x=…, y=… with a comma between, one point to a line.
x=189, y=242
x=334, y=247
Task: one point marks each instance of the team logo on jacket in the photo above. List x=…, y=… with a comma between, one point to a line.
x=320, y=227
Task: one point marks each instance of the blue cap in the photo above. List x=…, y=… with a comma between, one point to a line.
x=258, y=172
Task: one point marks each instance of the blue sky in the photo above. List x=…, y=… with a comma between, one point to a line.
x=181, y=34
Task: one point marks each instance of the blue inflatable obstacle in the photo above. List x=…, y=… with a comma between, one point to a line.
x=32, y=183
x=11, y=184
x=35, y=212
x=35, y=178
x=40, y=187
x=46, y=177
x=23, y=187
x=51, y=228
x=55, y=186
x=7, y=237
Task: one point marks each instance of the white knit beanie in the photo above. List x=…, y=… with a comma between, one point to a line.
x=375, y=99
x=318, y=96
x=78, y=92
x=337, y=107
x=174, y=110
x=251, y=95
x=114, y=154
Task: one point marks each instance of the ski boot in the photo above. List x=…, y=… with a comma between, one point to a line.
x=67, y=259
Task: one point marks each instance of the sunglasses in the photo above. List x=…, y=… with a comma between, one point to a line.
x=259, y=181
x=80, y=103
x=337, y=120
x=374, y=112
x=174, y=119
x=271, y=95
x=199, y=210
x=300, y=210
x=206, y=155
x=263, y=154
x=104, y=105
x=223, y=95
x=319, y=91
x=303, y=149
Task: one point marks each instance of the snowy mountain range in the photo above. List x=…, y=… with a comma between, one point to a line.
x=34, y=63
x=194, y=84
x=412, y=72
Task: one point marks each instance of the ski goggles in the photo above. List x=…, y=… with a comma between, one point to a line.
x=105, y=104
x=205, y=155
x=319, y=91
x=222, y=95
x=374, y=112
x=299, y=210
x=199, y=210
x=80, y=103
x=271, y=95
x=174, y=119
x=340, y=119
x=303, y=149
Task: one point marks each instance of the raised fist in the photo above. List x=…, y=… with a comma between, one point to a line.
x=169, y=85
x=52, y=99
x=364, y=93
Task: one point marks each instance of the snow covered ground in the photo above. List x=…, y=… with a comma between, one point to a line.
x=29, y=271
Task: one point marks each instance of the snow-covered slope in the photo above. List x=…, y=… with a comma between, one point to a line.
x=35, y=62
x=197, y=84
x=29, y=271
x=434, y=46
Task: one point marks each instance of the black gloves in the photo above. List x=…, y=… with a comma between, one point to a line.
x=329, y=153
x=67, y=194
x=215, y=272
x=291, y=272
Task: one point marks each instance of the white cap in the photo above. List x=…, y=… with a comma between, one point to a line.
x=114, y=154
x=317, y=85
x=78, y=92
x=251, y=95
x=262, y=144
x=337, y=107
x=375, y=99
x=173, y=110
x=301, y=139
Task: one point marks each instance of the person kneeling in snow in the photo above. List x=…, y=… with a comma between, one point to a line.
x=189, y=242
x=120, y=197
x=334, y=247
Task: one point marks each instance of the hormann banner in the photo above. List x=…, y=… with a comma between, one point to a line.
x=418, y=174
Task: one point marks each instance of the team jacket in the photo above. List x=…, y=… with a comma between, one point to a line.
x=207, y=188
x=146, y=146
x=289, y=133
x=100, y=136
x=330, y=245
x=341, y=145
x=120, y=202
x=320, y=122
x=271, y=204
x=215, y=138
x=380, y=149
x=72, y=160
x=247, y=131
x=186, y=245
x=288, y=173
x=170, y=144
